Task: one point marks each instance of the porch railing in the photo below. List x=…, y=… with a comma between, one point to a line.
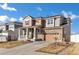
x=22, y=36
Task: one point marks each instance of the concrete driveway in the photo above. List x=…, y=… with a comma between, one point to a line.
x=27, y=49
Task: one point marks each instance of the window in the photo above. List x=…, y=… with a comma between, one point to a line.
x=11, y=26
x=39, y=31
x=50, y=21
x=27, y=22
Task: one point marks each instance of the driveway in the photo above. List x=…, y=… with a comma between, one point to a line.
x=27, y=49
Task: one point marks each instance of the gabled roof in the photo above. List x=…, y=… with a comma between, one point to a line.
x=15, y=22
x=34, y=18
x=58, y=27
x=27, y=16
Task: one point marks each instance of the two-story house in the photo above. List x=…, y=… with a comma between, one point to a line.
x=57, y=27
x=3, y=27
x=8, y=31
x=31, y=27
x=45, y=28
x=13, y=25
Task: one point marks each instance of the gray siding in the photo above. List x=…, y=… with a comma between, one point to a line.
x=67, y=31
x=27, y=20
x=48, y=20
x=57, y=22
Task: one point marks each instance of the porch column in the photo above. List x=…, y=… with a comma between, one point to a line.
x=34, y=34
x=23, y=32
x=19, y=34
x=26, y=33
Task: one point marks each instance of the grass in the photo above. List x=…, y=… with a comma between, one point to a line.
x=70, y=50
x=53, y=48
x=12, y=44
x=73, y=49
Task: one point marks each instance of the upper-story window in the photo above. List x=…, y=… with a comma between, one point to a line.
x=37, y=22
x=27, y=22
x=50, y=21
x=11, y=27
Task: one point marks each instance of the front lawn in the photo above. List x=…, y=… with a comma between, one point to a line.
x=12, y=44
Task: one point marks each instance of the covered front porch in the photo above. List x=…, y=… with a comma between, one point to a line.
x=28, y=33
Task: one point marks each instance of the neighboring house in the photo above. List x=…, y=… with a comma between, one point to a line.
x=9, y=31
x=14, y=25
x=45, y=28
x=8, y=35
x=75, y=37
x=3, y=27
x=58, y=27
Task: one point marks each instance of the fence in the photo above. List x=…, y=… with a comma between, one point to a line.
x=3, y=38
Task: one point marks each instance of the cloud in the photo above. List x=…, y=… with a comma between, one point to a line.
x=13, y=19
x=65, y=13
x=69, y=14
x=39, y=9
x=20, y=19
x=5, y=19
x=6, y=7
x=73, y=16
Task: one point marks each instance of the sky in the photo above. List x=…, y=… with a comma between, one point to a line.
x=16, y=11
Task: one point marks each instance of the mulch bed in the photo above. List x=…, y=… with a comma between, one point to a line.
x=54, y=48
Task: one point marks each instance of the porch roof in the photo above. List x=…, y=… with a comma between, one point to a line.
x=29, y=27
x=53, y=27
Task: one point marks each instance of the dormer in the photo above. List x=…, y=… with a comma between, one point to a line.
x=27, y=21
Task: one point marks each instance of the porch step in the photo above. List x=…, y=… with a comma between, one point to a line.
x=38, y=40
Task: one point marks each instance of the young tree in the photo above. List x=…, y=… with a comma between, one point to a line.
x=56, y=41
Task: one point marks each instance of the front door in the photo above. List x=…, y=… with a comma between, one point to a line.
x=30, y=34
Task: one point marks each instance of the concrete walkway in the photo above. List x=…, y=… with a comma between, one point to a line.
x=27, y=49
